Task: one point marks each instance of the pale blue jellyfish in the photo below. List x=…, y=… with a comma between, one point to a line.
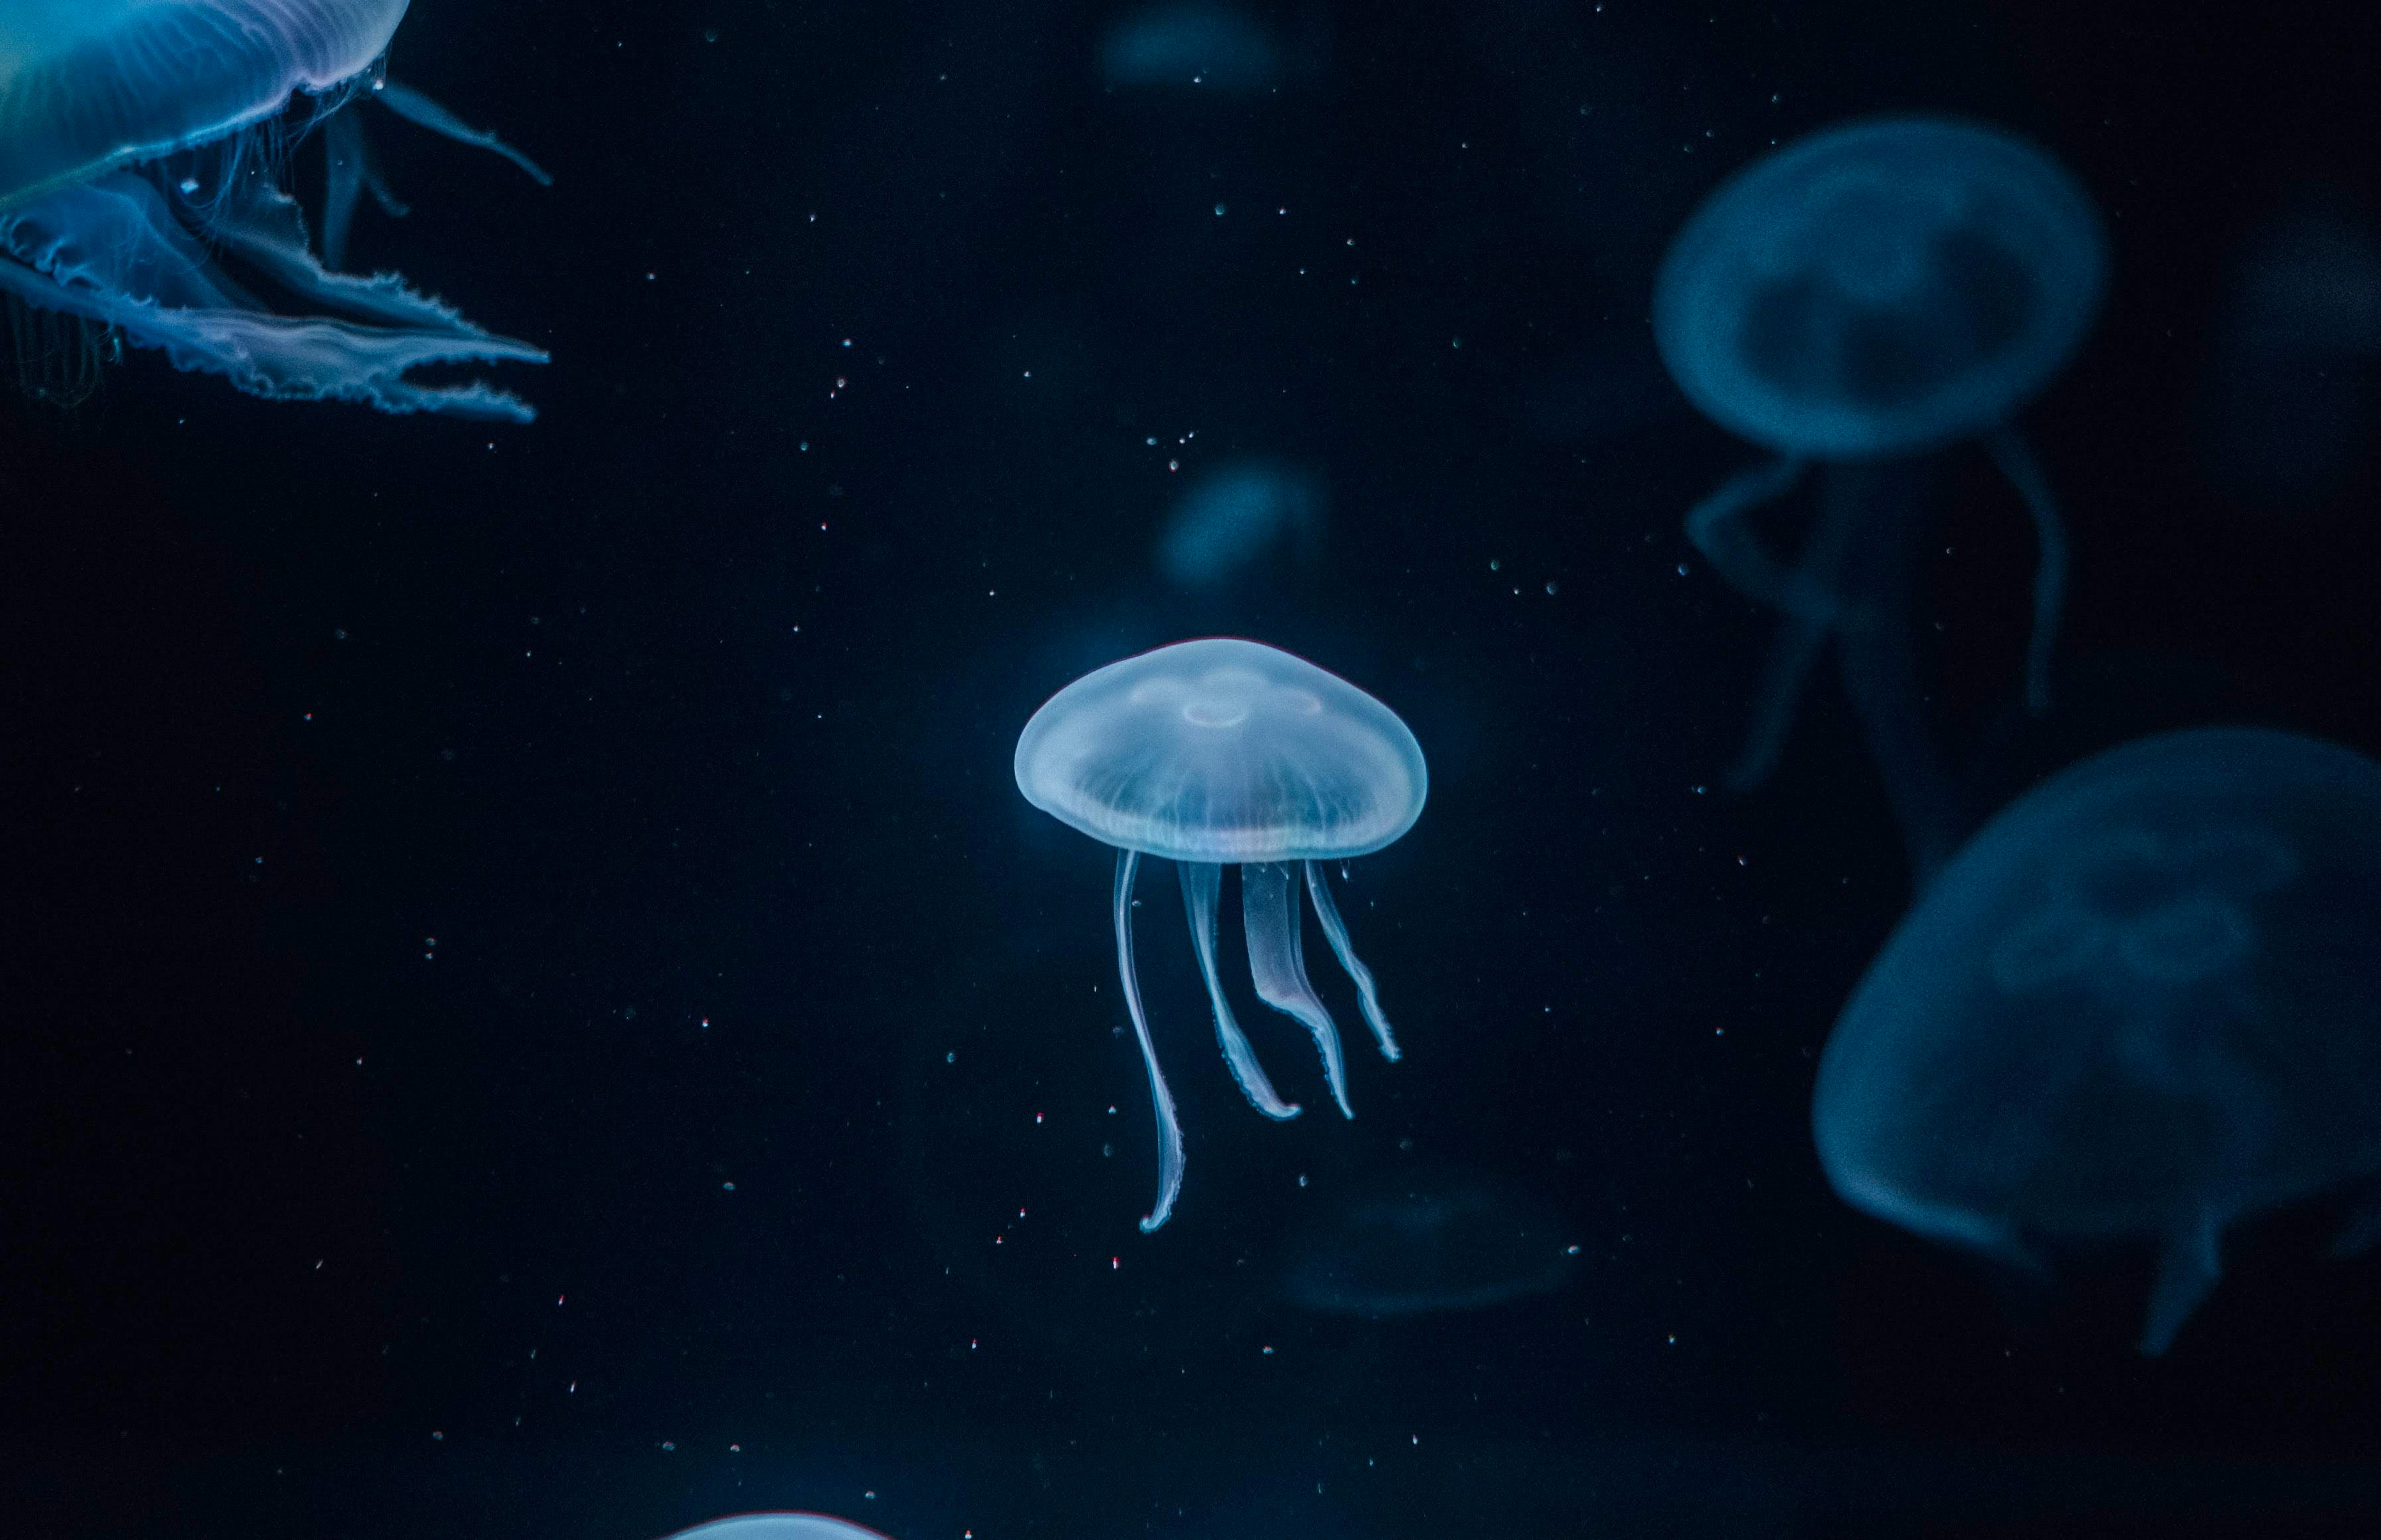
x=1193, y=45
x=777, y=1526
x=1235, y=517
x=137, y=139
x=1227, y=752
x=1861, y=299
x=2144, y=1001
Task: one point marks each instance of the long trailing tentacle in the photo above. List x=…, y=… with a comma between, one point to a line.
x=1170, y=1130
x=1336, y=930
x=1278, y=964
x=1202, y=881
x=2016, y=459
x=416, y=108
x=1716, y=527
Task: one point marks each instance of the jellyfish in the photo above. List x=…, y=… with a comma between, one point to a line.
x=777, y=1526
x=1430, y=1242
x=139, y=142
x=1235, y=516
x=2142, y=1002
x=1862, y=298
x=1227, y=752
x=1191, y=45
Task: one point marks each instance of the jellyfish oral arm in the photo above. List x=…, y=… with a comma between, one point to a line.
x=2188, y=1271
x=2010, y=452
x=420, y=110
x=1336, y=930
x=1202, y=881
x=1269, y=913
x=1717, y=528
x=1169, y=1129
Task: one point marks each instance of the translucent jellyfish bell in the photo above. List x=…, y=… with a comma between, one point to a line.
x=135, y=136
x=777, y=1526
x=2144, y=1001
x=1227, y=752
x=1860, y=298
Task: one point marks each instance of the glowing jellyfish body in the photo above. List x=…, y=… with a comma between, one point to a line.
x=137, y=139
x=777, y=1526
x=1861, y=299
x=1227, y=752
x=2144, y=1001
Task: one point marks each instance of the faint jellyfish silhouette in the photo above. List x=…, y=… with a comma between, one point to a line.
x=1193, y=45
x=1227, y=752
x=2144, y=1001
x=137, y=139
x=2296, y=373
x=1861, y=299
x=1234, y=517
x=1430, y=1242
x=777, y=1526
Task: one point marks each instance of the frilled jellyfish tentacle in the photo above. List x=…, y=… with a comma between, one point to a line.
x=1277, y=963
x=1202, y=882
x=1169, y=1129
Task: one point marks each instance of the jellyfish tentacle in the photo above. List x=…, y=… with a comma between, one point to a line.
x=1277, y=962
x=1716, y=528
x=1791, y=657
x=419, y=110
x=1336, y=930
x=2017, y=462
x=2188, y=1271
x=1202, y=881
x=1169, y=1129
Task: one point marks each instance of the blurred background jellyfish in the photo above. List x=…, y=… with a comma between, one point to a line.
x=1429, y=1243
x=2145, y=1002
x=1227, y=753
x=2296, y=387
x=1191, y=45
x=143, y=154
x=1236, y=517
x=1862, y=298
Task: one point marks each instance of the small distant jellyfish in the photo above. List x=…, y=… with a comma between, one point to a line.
x=2295, y=369
x=138, y=140
x=1227, y=753
x=2143, y=1002
x=1429, y=1243
x=1862, y=298
x=777, y=1526
x=1235, y=517
x=1192, y=45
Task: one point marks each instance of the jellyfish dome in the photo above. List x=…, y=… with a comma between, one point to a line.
x=1880, y=289
x=137, y=138
x=777, y=1526
x=1428, y=1243
x=1227, y=752
x=2143, y=1002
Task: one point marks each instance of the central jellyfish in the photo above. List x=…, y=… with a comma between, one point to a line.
x=1227, y=752
x=142, y=144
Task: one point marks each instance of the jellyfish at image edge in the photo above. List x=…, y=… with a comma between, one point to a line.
x=1227, y=752
x=1861, y=299
x=138, y=140
x=2144, y=1001
x=777, y=1526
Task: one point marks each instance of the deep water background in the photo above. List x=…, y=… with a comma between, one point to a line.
x=665, y=1181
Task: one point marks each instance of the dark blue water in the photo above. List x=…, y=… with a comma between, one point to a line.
x=530, y=1004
